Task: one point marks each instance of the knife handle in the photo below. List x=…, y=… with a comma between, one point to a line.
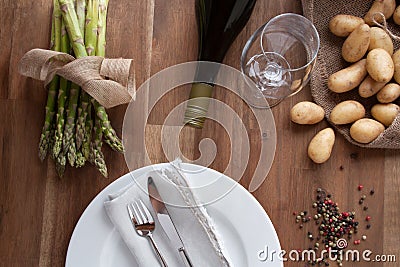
x=185, y=257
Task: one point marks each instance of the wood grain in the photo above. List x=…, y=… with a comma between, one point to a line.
x=38, y=211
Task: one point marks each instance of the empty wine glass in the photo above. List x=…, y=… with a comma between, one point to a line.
x=279, y=58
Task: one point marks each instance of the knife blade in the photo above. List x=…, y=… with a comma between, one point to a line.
x=166, y=221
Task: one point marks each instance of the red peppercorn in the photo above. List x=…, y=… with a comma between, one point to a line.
x=357, y=242
x=368, y=218
x=360, y=187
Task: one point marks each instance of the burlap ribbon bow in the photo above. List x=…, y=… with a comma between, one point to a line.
x=109, y=81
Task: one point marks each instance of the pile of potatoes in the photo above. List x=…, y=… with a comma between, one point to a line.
x=374, y=70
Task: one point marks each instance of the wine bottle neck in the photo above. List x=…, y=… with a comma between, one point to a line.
x=198, y=103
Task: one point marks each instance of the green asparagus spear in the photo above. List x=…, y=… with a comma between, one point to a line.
x=69, y=141
x=97, y=156
x=63, y=93
x=91, y=31
x=90, y=42
x=47, y=137
x=110, y=135
x=75, y=34
x=81, y=118
x=101, y=29
x=69, y=145
x=88, y=133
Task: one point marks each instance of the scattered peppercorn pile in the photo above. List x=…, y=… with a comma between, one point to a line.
x=332, y=225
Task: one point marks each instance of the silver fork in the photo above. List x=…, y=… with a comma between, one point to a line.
x=144, y=225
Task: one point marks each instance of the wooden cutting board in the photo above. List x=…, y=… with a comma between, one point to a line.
x=38, y=211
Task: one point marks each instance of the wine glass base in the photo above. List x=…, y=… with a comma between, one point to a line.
x=265, y=103
x=274, y=102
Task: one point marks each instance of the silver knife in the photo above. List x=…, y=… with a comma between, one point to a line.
x=166, y=221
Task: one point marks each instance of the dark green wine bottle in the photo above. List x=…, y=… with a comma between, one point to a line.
x=219, y=23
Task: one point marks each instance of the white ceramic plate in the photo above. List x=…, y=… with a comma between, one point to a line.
x=243, y=224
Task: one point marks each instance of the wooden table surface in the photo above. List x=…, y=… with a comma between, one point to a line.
x=38, y=211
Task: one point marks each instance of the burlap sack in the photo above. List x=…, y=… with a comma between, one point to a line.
x=330, y=60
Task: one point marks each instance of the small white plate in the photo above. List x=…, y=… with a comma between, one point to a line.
x=244, y=226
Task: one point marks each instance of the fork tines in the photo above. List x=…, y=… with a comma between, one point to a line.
x=139, y=213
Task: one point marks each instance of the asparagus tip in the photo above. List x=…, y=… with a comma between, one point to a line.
x=60, y=165
x=80, y=160
x=43, y=147
x=72, y=154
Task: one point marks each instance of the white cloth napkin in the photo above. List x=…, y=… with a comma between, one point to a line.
x=191, y=220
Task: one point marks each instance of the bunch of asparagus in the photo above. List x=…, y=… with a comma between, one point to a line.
x=75, y=124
